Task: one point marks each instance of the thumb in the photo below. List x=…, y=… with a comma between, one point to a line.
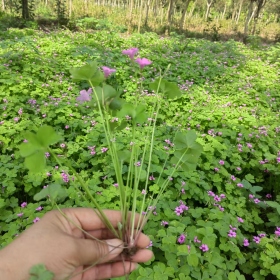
x=93, y=251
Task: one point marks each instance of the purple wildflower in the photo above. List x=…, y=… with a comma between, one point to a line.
x=84, y=95
x=240, y=220
x=196, y=240
x=164, y=223
x=37, y=219
x=23, y=204
x=143, y=62
x=130, y=52
x=256, y=239
x=103, y=150
x=204, y=248
x=277, y=231
x=181, y=239
x=108, y=71
x=246, y=242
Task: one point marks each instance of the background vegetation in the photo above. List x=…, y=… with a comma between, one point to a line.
x=230, y=96
x=213, y=19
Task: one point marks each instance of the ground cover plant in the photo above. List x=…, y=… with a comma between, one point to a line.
x=220, y=221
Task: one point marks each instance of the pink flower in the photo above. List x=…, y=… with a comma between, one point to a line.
x=181, y=239
x=36, y=220
x=246, y=242
x=62, y=145
x=103, y=150
x=256, y=239
x=84, y=95
x=240, y=185
x=277, y=231
x=20, y=214
x=143, y=62
x=39, y=208
x=204, y=248
x=108, y=71
x=23, y=204
x=221, y=162
x=130, y=52
x=196, y=240
x=240, y=220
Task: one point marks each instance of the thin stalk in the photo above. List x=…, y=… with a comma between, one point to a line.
x=86, y=189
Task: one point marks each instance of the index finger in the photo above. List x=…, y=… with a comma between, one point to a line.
x=89, y=220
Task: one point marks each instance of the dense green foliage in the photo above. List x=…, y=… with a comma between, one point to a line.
x=230, y=97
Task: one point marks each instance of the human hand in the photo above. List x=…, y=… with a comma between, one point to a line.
x=65, y=250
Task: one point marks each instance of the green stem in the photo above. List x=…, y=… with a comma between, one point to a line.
x=100, y=213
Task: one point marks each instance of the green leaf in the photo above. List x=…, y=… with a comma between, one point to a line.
x=154, y=188
x=192, y=260
x=116, y=103
x=26, y=149
x=36, y=162
x=231, y=276
x=84, y=73
x=54, y=191
x=124, y=155
x=184, y=140
x=47, y=136
x=39, y=272
x=273, y=204
x=171, y=90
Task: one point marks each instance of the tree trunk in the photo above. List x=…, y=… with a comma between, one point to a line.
x=3, y=5
x=184, y=13
x=70, y=8
x=209, y=4
x=224, y=12
x=248, y=19
x=239, y=11
x=25, y=9
x=252, y=15
x=140, y=17
x=130, y=16
x=161, y=15
x=192, y=10
x=147, y=12
x=170, y=15
x=260, y=5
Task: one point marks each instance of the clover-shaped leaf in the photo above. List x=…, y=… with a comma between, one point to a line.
x=185, y=139
x=171, y=90
x=84, y=73
x=54, y=191
x=36, y=147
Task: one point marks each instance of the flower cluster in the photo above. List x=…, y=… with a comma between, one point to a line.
x=92, y=150
x=65, y=177
x=142, y=62
x=232, y=231
x=181, y=208
x=217, y=199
